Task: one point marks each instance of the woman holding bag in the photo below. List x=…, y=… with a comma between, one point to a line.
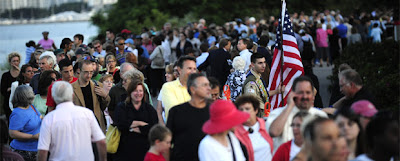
x=157, y=67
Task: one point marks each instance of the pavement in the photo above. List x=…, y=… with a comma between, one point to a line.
x=322, y=73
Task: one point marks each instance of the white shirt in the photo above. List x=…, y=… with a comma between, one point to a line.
x=201, y=59
x=68, y=133
x=167, y=50
x=287, y=133
x=262, y=150
x=294, y=150
x=246, y=55
x=363, y=157
x=211, y=150
x=241, y=28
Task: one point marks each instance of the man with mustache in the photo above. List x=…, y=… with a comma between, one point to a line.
x=300, y=99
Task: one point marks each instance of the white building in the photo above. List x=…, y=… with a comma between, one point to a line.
x=17, y=4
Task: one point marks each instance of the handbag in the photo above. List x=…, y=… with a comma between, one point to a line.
x=113, y=136
x=159, y=60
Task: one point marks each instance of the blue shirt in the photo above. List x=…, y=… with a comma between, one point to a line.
x=121, y=56
x=210, y=40
x=27, y=121
x=342, y=30
x=103, y=53
x=145, y=53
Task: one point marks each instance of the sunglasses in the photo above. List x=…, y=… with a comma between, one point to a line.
x=121, y=44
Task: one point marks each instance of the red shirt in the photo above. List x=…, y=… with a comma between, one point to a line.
x=152, y=157
x=50, y=101
x=283, y=152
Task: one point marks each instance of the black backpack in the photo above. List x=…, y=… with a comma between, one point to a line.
x=308, y=52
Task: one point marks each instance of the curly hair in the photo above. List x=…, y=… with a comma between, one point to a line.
x=238, y=63
x=12, y=55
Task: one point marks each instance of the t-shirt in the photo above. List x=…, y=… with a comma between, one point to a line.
x=40, y=104
x=153, y=157
x=50, y=101
x=363, y=157
x=27, y=121
x=87, y=93
x=211, y=150
x=185, y=123
x=46, y=44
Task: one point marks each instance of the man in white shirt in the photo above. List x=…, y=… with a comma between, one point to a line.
x=98, y=49
x=204, y=54
x=243, y=46
x=68, y=132
x=301, y=98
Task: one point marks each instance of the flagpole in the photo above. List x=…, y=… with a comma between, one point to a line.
x=281, y=45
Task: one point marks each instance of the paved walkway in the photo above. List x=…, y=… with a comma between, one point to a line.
x=322, y=73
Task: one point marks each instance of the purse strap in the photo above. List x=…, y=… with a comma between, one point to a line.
x=33, y=109
x=233, y=151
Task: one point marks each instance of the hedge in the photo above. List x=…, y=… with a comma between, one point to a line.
x=378, y=65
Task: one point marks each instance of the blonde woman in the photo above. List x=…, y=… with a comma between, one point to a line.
x=8, y=78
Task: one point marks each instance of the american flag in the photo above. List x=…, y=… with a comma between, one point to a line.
x=292, y=65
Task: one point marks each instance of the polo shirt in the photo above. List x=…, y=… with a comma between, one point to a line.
x=173, y=93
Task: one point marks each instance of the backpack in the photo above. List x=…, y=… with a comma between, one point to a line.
x=308, y=52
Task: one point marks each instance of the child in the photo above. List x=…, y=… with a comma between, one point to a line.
x=160, y=141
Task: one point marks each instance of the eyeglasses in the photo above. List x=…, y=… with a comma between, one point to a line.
x=97, y=46
x=121, y=44
x=110, y=61
x=87, y=72
x=342, y=85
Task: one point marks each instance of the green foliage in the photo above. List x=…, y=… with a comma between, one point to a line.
x=135, y=14
x=155, y=18
x=378, y=65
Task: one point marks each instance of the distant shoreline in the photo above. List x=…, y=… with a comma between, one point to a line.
x=28, y=22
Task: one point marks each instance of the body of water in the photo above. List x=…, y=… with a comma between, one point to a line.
x=14, y=37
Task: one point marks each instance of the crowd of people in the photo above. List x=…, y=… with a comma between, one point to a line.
x=198, y=92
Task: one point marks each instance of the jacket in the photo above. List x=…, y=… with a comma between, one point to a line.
x=98, y=105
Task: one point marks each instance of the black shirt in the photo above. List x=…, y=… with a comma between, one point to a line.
x=133, y=146
x=87, y=95
x=185, y=123
x=362, y=94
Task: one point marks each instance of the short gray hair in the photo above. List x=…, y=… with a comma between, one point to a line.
x=123, y=66
x=23, y=96
x=134, y=74
x=62, y=92
x=51, y=58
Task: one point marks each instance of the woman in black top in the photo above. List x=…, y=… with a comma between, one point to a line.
x=7, y=78
x=182, y=45
x=134, y=118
